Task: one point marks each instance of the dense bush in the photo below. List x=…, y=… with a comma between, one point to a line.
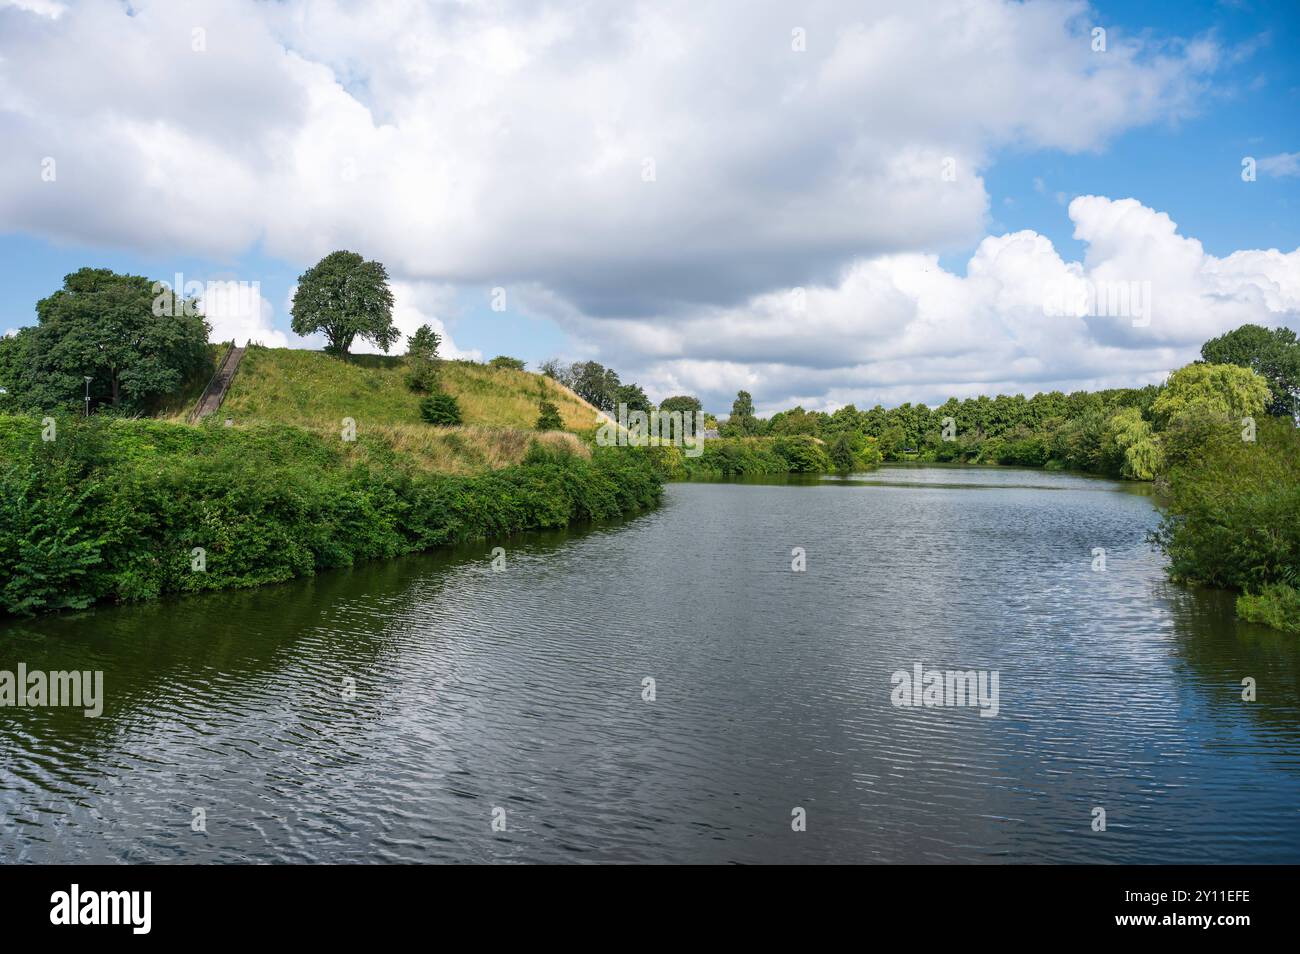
x=1276, y=605
x=422, y=361
x=803, y=454
x=548, y=416
x=113, y=510
x=1233, y=516
x=440, y=409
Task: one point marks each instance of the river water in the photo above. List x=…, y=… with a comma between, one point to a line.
x=394, y=712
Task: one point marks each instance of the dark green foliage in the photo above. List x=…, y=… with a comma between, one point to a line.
x=15, y=373
x=423, y=343
x=1276, y=605
x=1109, y=432
x=1274, y=354
x=137, y=345
x=557, y=370
x=112, y=509
x=595, y=384
x=422, y=360
x=842, y=452
x=1233, y=515
x=345, y=297
x=742, y=422
x=633, y=396
x=682, y=402
x=740, y=457
x=548, y=417
x=440, y=409
x=803, y=454
x=798, y=421
x=421, y=376
x=853, y=450
x=504, y=361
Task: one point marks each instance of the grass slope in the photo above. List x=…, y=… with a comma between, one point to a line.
x=313, y=389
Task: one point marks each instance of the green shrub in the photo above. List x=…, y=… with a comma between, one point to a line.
x=853, y=451
x=113, y=510
x=803, y=454
x=421, y=374
x=440, y=409
x=1233, y=517
x=1276, y=605
x=422, y=361
x=548, y=418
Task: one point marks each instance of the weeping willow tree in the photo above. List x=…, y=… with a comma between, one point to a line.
x=1137, y=444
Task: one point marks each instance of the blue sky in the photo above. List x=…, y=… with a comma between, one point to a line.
x=1192, y=168
x=676, y=323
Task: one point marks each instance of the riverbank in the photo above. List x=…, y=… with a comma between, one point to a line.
x=105, y=510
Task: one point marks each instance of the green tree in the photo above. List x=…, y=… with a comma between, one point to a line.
x=345, y=297
x=1135, y=443
x=15, y=371
x=803, y=454
x=680, y=402
x=557, y=370
x=548, y=417
x=1273, y=354
x=440, y=409
x=1212, y=390
x=505, y=361
x=595, y=384
x=844, y=450
x=742, y=422
x=891, y=441
x=135, y=344
x=422, y=359
x=633, y=396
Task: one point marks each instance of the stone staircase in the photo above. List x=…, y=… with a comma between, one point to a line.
x=216, y=390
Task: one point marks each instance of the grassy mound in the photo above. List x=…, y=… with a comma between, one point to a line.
x=313, y=389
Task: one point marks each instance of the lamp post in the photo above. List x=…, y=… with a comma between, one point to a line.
x=87, y=377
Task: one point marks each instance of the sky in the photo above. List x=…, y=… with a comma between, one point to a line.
x=822, y=203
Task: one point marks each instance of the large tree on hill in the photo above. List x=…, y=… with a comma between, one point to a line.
x=1274, y=354
x=135, y=344
x=595, y=384
x=345, y=297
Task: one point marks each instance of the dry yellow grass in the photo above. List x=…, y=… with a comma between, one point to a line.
x=461, y=450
